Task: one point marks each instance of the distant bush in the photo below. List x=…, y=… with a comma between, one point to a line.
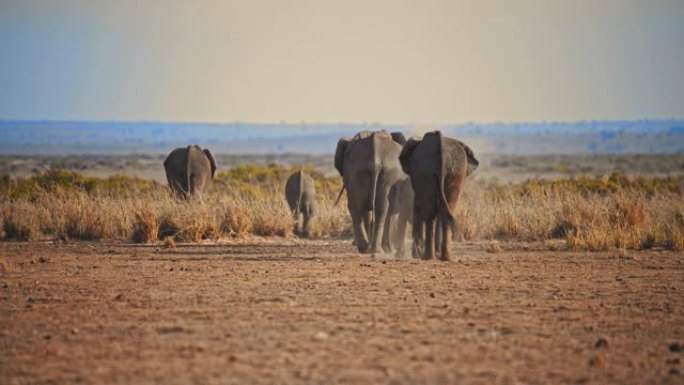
x=54, y=179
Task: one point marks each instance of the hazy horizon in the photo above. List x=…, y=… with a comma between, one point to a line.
x=413, y=62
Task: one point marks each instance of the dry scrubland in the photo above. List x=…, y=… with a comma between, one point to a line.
x=581, y=213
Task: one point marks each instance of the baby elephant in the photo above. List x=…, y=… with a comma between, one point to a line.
x=300, y=193
x=400, y=214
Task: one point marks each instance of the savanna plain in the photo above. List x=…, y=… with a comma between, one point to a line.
x=566, y=270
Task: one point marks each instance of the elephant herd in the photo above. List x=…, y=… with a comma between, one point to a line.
x=391, y=182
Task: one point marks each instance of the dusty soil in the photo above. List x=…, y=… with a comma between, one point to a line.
x=286, y=311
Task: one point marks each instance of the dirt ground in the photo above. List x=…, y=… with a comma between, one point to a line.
x=289, y=311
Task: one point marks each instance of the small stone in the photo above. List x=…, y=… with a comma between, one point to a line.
x=47, y=337
x=674, y=372
x=74, y=331
x=320, y=336
x=601, y=343
x=676, y=347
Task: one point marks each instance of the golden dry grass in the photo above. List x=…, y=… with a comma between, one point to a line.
x=615, y=213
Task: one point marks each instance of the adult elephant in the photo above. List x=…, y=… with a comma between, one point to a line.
x=300, y=193
x=189, y=170
x=369, y=165
x=437, y=166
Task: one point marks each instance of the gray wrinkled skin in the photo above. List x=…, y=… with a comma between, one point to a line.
x=369, y=166
x=400, y=215
x=437, y=166
x=300, y=192
x=189, y=171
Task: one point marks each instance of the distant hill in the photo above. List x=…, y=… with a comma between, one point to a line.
x=83, y=137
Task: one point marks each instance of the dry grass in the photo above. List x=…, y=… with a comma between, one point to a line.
x=617, y=213
x=627, y=217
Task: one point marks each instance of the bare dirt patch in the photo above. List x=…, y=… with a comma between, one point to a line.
x=289, y=311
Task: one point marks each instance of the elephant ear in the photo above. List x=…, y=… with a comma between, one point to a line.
x=407, y=153
x=470, y=156
x=473, y=163
x=211, y=160
x=339, y=153
x=399, y=138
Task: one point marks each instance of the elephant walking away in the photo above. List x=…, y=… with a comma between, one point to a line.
x=300, y=192
x=190, y=170
x=369, y=166
x=400, y=215
x=437, y=166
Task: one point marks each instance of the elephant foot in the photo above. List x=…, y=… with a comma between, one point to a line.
x=445, y=258
x=376, y=250
x=428, y=257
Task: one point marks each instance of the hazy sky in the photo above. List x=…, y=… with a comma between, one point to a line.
x=422, y=61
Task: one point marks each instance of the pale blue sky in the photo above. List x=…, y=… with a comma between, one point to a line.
x=326, y=61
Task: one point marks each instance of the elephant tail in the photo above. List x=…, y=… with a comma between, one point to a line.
x=339, y=196
x=442, y=175
x=442, y=194
x=188, y=176
x=376, y=174
x=301, y=192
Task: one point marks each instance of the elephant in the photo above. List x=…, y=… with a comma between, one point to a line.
x=437, y=166
x=300, y=193
x=400, y=214
x=189, y=170
x=369, y=166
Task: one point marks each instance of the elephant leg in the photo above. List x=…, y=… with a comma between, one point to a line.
x=360, y=236
x=399, y=236
x=381, y=208
x=429, y=239
x=418, y=235
x=438, y=233
x=295, y=221
x=446, y=230
x=307, y=218
x=367, y=222
x=389, y=233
